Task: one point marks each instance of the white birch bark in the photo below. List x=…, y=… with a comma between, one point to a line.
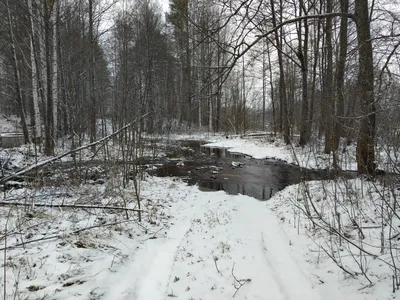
x=35, y=94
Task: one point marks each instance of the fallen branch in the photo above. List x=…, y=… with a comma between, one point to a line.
x=50, y=160
x=6, y=203
x=58, y=236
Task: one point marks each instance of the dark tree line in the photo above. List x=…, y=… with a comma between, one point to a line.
x=304, y=69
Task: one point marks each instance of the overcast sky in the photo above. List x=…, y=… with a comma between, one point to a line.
x=164, y=4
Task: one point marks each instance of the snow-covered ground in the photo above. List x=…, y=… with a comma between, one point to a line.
x=310, y=157
x=269, y=147
x=190, y=245
x=318, y=240
x=77, y=253
x=352, y=240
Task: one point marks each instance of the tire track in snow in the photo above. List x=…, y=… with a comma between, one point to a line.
x=154, y=284
x=275, y=275
x=285, y=270
x=146, y=275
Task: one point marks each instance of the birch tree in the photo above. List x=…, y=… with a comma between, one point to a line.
x=34, y=75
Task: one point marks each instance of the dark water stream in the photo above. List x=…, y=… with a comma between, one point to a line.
x=214, y=169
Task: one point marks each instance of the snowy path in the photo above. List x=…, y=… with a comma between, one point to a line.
x=146, y=275
x=215, y=230
x=241, y=231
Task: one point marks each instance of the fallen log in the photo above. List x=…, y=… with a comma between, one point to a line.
x=8, y=203
x=50, y=160
x=61, y=235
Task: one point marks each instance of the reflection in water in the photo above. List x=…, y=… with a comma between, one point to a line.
x=235, y=188
x=284, y=175
x=211, y=185
x=211, y=169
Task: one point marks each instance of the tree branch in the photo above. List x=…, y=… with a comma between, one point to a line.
x=57, y=236
x=50, y=160
x=6, y=203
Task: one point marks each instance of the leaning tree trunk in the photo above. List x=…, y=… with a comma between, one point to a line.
x=366, y=136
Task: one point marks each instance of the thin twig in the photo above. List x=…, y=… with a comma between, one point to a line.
x=240, y=282
x=216, y=266
x=338, y=263
x=154, y=234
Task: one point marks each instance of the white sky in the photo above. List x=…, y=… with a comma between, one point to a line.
x=164, y=4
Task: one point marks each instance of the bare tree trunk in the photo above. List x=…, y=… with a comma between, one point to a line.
x=272, y=93
x=55, y=70
x=188, y=71
x=338, y=132
x=210, y=88
x=92, y=97
x=285, y=128
x=42, y=55
x=263, y=86
x=303, y=57
x=244, y=95
x=200, y=114
x=210, y=113
x=17, y=77
x=329, y=105
x=49, y=124
x=366, y=137
x=218, y=113
x=34, y=75
x=314, y=77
